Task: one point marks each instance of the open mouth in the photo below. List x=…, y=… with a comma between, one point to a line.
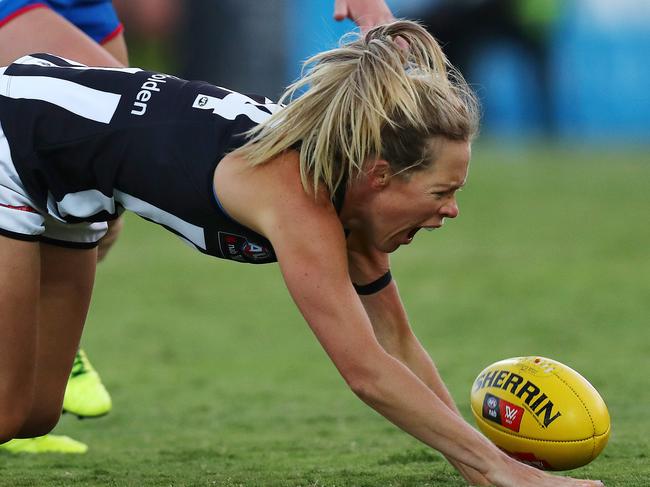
x=412, y=233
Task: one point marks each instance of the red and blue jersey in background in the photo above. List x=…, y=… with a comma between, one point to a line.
x=96, y=18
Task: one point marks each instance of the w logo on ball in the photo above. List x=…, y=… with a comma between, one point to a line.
x=511, y=413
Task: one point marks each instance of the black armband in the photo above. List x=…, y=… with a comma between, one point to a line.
x=375, y=286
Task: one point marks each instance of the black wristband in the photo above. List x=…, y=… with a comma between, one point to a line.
x=375, y=286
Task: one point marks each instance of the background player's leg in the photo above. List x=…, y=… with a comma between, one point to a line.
x=19, y=298
x=85, y=394
x=117, y=48
x=43, y=30
x=107, y=241
x=67, y=277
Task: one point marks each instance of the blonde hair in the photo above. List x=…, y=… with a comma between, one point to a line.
x=382, y=95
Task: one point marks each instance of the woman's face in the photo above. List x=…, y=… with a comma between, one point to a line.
x=387, y=210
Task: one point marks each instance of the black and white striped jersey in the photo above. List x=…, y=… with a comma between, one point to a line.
x=90, y=142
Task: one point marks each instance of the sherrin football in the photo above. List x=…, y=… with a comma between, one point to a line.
x=541, y=412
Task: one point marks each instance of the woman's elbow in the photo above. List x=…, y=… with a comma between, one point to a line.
x=364, y=389
x=363, y=381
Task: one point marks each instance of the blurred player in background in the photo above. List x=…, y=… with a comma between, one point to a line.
x=471, y=30
x=207, y=40
x=90, y=32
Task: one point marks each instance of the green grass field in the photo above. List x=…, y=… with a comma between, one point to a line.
x=217, y=381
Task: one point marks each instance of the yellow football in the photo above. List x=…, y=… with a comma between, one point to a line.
x=541, y=412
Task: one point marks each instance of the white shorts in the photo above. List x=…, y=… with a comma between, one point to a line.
x=20, y=219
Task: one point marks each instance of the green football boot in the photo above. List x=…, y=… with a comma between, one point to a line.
x=85, y=395
x=45, y=444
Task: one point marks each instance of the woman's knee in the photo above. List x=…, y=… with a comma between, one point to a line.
x=12, y=420
x=16, y=401
x=20, y=418
x=39, y=426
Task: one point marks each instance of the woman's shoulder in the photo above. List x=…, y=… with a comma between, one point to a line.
x=271, y=194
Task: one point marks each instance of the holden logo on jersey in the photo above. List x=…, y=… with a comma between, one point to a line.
x=146, y=90
x=202, y=101
x=502, y=412
x=239, y=248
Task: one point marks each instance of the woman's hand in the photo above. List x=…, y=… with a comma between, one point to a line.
x=512, y=473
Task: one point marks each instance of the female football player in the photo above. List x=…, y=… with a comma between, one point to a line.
x=90, y=32
x=328, y=186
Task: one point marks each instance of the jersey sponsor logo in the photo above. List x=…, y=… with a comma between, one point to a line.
x=26, y=208
x=146, y=91
x=502, y=412
x=235, y=104
x=239, y=248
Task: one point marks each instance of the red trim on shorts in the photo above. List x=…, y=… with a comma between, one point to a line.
x=118, y=30
x=26, y=208
x=21, y=11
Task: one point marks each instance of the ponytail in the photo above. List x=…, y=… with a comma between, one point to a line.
x=382, y=95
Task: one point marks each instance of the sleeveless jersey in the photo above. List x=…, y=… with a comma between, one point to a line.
x=88, y=143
